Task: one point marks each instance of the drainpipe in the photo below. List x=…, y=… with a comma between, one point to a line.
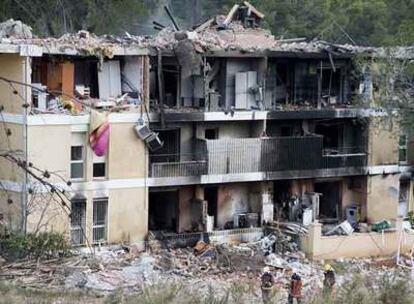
x=25, y=177
x=161, y=92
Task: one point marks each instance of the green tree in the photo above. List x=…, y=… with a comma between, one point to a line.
x=56, y=17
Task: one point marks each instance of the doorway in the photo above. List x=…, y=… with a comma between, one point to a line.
x=163, y=210
x=210, y=195
x=330, y=200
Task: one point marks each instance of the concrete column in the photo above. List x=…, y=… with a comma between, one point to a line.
x=267, y=202
x=199, y=192
x=314, y=240
x=199, y=196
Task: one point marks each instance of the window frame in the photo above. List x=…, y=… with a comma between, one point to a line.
x=80, y=228
x=99, y=160
x=79, y=161
x=78, y=141
x=403, y=147
x=95, y=225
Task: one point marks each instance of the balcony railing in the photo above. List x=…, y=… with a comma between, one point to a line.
x=249, y=155
x=184, y=168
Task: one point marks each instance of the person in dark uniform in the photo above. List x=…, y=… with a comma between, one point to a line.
x=267, y=283
x=295, y=290
x=329, y=281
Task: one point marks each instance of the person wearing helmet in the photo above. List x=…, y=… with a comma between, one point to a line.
x=295, y=290
x=329, y=280
x=267, y=282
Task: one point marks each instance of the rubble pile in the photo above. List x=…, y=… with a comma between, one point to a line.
x=15, y=29
x=214, y=36
x=235, y=37
x=200, y=268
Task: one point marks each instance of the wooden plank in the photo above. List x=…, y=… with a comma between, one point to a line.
x=230, y=15
x=68, y=78
x=254, y=10
x=205, y=25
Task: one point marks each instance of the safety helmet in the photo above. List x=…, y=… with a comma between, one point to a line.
x=328, y=267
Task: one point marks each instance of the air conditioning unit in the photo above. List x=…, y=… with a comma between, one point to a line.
x=143, y=131
x=153, y=142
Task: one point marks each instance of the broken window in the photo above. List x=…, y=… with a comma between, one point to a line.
x=132, y=76
x=77, y=156
x=211, y=134
x=402, y=148
x=286, y=131
x=170, y=151
x=332, y=137
x=78, y=221
x=331, y=89
x=306, y=83
x=403, y=198
x=86, y=77
x=100, y=219
x=99, y=166
x=171, y=84
x=283, y=88
x=54, y=74
x=109, y=80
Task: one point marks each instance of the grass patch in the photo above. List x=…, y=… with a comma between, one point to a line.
x=389, y=288
x=12, y=294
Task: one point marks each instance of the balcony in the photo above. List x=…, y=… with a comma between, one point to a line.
x=258, y=155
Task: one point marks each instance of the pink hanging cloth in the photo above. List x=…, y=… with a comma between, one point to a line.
x=99, y=130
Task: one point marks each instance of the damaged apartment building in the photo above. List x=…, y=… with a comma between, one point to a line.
x=220, y=130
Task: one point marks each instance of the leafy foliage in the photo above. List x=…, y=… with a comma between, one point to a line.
x=56, y=17
x=41, y=245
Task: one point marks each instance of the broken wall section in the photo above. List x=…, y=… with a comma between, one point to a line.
x=383, y=142
x=76, y=83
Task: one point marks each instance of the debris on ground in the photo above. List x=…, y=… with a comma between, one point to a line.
x=202, y=266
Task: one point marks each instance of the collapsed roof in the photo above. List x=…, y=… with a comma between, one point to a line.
x=237, y=32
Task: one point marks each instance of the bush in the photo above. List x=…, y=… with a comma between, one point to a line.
x=34, y=246
x=388, y=288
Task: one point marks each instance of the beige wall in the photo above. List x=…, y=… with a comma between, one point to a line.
x=128, y=220
x=355, y=193
x=382, y=142
x=10, y=209
x=127, y=214
x=127, y=153
x=357, y=245
x=9, y=171
x=13, y=67
x=382, y=197
x=49, y=148
x=46, y=213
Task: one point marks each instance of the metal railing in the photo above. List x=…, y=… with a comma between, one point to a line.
x=184, y=168
x=248, y=155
